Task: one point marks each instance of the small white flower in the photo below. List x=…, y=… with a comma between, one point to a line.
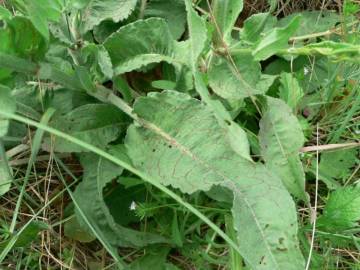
x=133, y=206
x=306, y=71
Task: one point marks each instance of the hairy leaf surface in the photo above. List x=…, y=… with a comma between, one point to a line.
x=342, y=210
x=173, y=11
x=242, y=74
x=181, y=144
x=97, y=124
x=97, y=11
x=280, y=138
x=139, y=44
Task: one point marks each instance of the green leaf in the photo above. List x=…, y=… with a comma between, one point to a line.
x=5, y=177
x=120, y=200
x=273, y=4
x=139, y=44
x=41, y=12
x=337, y=51
x=342, y=210
x=154, y=259
x=73, y=230
x=197, y=42
x=197, y=32
x=97, y=61
x=280, y=138
x=312, y=21
x=98, y=124
x=89, y=196
x=181, y=143
x=241, y=79
x=5, y=14
x=337, y=164
x=350, y=7
x=173, y=11
x=97, y=11
x=290, y=90
x=225, y=14
x=7, y=104
x=163, y=84
x=255, y=25
x=28, y=235
x=275, y=40
x=20, y=38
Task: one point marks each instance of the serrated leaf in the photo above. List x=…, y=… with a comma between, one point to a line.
x=173, y=11
x=342, y=210
x=97, y=11
x=280, y=138
x=225, y=14
x=89, y=196
x=97, y=124
x=182, y=144
x=139, y=44
x=290, y=90
x=275, y=40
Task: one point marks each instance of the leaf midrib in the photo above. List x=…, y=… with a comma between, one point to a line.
x=229, y=183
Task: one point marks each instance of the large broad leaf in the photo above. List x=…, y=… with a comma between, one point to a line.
x=243, y=77
x=89, y=196
x=181, y=143
x=139, y=44
x=225, y=14
x=173, y=11
x=197, y=43
x=275, y=40
x=97, y=124
x=97, y=11
x=281, y=137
